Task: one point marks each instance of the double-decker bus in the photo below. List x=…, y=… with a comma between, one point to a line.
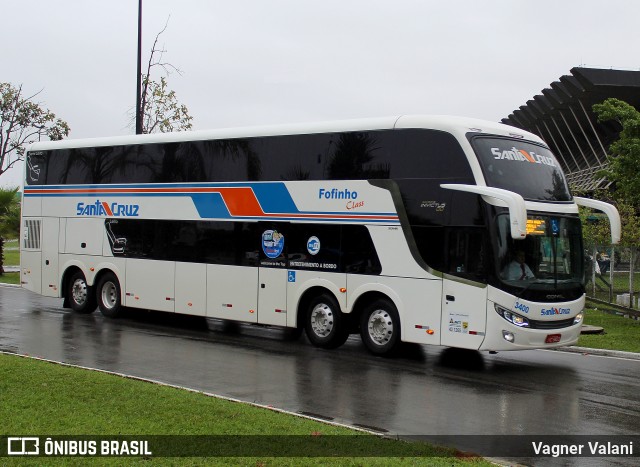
x=432, y=230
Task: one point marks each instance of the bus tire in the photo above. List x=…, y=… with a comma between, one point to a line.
x=108, y=295
x=324, y=323
x=80, y=296
x=380, y=327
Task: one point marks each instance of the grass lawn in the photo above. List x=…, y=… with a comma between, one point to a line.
x=620, y=333
x=10, y=278
x=11, y=257
x=41, y=398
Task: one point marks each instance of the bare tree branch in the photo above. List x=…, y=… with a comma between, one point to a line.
x=159, y=107
x=22, y=122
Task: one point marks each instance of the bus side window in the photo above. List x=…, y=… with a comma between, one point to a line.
x=314, y=246
x=36, y=168
x=466, y=253
x=429, y=240
x=359, y=252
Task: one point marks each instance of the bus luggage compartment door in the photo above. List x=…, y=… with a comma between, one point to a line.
x=191, y=289
x=464, y=313
x=231, y=292
x=150, y=284
x=272, y=296
x=50, y=235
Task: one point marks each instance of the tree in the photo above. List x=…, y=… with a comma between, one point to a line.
x=624, y=159
x=22, y=122
x=9, y=218
x=623, y=169
x=161, y=111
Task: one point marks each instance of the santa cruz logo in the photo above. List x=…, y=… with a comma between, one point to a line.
x=102, y=208
x=515, y=154
x=555, y=311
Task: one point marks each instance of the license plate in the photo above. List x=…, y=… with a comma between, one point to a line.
x=552, y=338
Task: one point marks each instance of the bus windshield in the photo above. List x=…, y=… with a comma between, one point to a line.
x=522, y=167
x=551, y=253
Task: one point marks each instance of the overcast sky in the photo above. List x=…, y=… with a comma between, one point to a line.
x=258, y=62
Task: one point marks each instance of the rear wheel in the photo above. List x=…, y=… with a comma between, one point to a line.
x=108, y=295
x=324, y=323
x=380, y=327
x=80, y=295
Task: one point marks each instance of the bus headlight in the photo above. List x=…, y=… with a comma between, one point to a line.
x=578, y=319
x=512, y=317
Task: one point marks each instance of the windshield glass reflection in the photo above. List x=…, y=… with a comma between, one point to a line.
x=551, y=252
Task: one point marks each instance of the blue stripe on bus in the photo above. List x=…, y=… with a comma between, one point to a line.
x=273, y=197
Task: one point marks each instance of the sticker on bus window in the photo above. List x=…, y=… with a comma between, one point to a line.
x=272, y=243
x=313, y=245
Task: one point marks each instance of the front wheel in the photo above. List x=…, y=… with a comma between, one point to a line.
x=380, y=327
x=324, y=323
x=108, y=295
x=80, y=295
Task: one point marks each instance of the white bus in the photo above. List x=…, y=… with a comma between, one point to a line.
x=432, y=230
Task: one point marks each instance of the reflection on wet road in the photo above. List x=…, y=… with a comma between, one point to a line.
x=424, y=391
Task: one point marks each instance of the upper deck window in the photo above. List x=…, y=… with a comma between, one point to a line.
x=523, y=167
x=357, y=155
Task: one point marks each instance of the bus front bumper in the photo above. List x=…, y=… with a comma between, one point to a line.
x=502, y=335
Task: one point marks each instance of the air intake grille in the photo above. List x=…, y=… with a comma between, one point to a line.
x=559, y=324
x=31, y=234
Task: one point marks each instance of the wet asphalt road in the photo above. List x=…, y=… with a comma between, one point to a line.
x=424, y=391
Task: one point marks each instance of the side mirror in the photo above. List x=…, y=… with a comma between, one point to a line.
x=611, y=212
x=515, y=203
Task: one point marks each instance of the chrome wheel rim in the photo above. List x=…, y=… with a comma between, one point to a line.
x=79, y=291
x=109, y=295
x=322, y=319
x=380, y=327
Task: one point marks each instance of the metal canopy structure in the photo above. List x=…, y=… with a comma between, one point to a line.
x=562, y=116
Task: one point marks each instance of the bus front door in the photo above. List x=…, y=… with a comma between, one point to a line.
x=464, y=313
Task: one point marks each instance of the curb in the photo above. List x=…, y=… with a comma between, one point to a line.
x=599, y=352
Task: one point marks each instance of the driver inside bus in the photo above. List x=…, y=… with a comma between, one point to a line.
x=518, y=269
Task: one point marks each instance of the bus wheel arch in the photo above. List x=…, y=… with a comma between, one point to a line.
x=108, y=293
x=380, y=327
x=78, y=295
x=324, y=322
